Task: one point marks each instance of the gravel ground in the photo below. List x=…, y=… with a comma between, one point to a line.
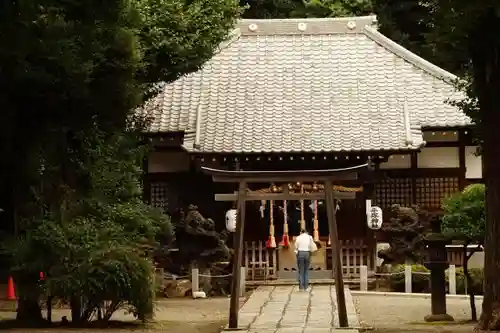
x=384, y=314
x=172, y=315
x=397, y=314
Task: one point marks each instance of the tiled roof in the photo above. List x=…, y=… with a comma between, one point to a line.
x=307, y=85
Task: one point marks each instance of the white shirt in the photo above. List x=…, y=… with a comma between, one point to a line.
x=303, y=242
x=231, y=220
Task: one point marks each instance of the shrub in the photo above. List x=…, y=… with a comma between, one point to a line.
x=97, y=246
x=420, y=282
x=477, y=276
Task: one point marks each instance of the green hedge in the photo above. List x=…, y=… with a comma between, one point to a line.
x=477, y=276
x=421, y=283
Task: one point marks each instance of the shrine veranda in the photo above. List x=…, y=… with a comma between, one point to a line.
x=309, y=94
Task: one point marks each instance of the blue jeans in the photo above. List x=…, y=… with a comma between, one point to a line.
x=303, y=258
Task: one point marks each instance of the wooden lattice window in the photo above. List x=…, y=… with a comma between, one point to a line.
x=394, y=191
x=431, y=191
x=160, y=195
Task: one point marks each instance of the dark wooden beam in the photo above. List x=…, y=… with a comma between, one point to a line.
x=414, y=168
x=285, y=196
x=331, y=207
x=263, y=176
x=234, y=305
x=440, y=144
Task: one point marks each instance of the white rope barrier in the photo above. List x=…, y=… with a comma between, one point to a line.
x=215, y=276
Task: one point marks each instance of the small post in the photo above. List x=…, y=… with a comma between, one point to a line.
x=195, y=280
x=452, y=280
x=408, y=279
x=243, y=278
x=363, y=278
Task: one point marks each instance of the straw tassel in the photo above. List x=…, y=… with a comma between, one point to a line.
x=272, y=239
x=302, y=220
x=285, y=241
x=316, y=232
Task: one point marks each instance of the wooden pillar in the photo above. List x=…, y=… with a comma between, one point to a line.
x=238, y=257
x=370, y=235
x=336, y=264
x=461, y=159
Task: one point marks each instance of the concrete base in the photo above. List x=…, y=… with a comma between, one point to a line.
x=438, y=317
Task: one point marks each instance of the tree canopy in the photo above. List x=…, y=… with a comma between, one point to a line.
x=464, y=214
x=473, y=41
x=71, y=78
x=305, y=8
x=72, y=67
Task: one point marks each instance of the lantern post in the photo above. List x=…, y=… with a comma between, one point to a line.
x=437, y=263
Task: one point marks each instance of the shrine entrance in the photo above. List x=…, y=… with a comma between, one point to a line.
x=312, y=185
x=285, y=219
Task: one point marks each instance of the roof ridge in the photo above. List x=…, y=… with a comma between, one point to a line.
x=305, y=26
x=408, y=55
x=314, y=19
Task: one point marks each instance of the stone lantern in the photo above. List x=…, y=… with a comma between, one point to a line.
x=437, y=262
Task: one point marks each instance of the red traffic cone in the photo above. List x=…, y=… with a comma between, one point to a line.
x=11, y=293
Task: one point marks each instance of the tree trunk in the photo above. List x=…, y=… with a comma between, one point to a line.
x=469, y=282
x=29, y=312
x=76, y=310
x=484, y=48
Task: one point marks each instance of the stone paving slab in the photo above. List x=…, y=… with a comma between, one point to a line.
x=286, y=309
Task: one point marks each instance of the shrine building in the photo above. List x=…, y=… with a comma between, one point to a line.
x=310, y=94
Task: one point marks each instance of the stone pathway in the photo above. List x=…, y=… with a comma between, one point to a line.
x=285, y=309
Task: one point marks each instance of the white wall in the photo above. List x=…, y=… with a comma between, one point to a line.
x=473, y=163
x=442, y=157
x=168, y=162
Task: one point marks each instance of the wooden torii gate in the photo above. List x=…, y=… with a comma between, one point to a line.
x=243, y=178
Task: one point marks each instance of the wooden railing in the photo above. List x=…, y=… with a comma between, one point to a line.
x=354, y=254
x=260, y=263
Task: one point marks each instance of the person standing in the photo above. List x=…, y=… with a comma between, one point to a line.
x=304, y=246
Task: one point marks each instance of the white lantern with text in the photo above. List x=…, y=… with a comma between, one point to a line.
x=374, y=216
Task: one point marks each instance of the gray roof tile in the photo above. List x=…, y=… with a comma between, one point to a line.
x=331, y=87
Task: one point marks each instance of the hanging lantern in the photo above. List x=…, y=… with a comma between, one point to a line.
x=374, y=217
x=262, y=208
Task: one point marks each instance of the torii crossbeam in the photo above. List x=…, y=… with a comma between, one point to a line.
x=328, y=176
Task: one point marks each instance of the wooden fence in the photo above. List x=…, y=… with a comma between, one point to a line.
x=354, y=254
x=260, y=263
